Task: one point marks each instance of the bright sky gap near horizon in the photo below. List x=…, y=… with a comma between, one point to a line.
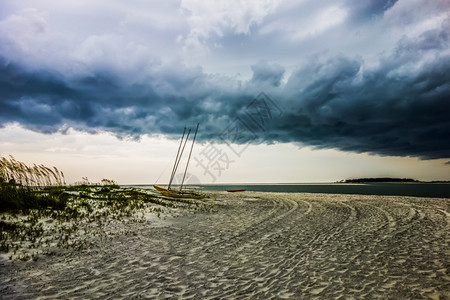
x=350, y=88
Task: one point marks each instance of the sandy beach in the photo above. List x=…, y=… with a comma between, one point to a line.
x=257, y=245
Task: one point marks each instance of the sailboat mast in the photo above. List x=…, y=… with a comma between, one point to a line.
x=189, y=158
x=179, y=159
x=176, y=159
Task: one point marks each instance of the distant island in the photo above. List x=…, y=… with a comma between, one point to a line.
x=382, y=179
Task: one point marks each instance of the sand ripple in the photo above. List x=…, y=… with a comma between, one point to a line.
x=260, y=246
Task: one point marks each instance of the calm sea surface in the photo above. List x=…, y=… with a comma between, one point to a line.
x=435, y=190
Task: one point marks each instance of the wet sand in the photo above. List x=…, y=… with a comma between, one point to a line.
x=258, y=245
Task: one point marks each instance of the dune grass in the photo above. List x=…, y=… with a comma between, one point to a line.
x=20, y=186
x=39, y=212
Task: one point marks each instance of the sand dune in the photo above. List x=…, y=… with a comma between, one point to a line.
x=259, y=246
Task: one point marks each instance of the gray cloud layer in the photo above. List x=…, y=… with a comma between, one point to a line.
x=398, y=106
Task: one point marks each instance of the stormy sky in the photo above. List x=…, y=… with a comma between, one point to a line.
x=356, y=76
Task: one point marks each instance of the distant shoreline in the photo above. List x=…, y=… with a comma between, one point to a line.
x=387, y=180
x=378, y=179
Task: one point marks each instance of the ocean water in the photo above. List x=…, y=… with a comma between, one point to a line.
x=433, y=190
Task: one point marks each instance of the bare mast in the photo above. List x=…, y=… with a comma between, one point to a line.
x=179, y=155
x=189, y=158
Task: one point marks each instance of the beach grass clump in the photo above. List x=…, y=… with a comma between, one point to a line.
x=18, y=172
x=25, y=187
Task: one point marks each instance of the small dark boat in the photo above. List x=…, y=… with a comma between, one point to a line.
x=237, y=190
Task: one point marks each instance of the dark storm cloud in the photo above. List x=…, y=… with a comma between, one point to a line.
x=372, y=111
x=396, y=106
x=167, y=100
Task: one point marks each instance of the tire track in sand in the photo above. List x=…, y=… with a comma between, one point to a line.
x=270, y=270
x=260, y=229
x=288, y=266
